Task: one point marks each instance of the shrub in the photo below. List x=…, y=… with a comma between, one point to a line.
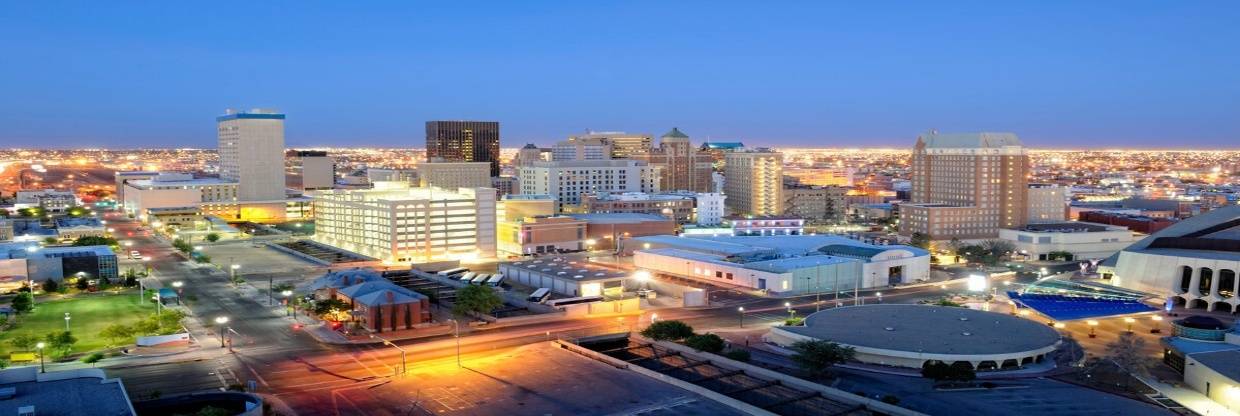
x=23, y=303
x=476, y=299
x=817, y=356
x=93, y=358
x=668, y=331
x=794, y=321
x=50, y=286
x=82, y=283
x=705, y=342
x=738, y=355
x=212, y=237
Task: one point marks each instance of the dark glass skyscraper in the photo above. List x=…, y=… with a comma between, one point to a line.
x=464, y=141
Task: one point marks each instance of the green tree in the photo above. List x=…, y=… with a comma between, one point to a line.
x=324, y=307
x=817, y=356
x=51, y=240
x=1126, y=353
x=82, y=283
x=50, y=286
x=170, y=320
x=670, y=330
x=23, y=303
x=61, y=341
x=705, y=342
x=77, y=211
x=94, y=240
x=213, y=237
x=920, y=240
x=146, y=326
x=93, y=358
x=182, y=246
x=476, y=299
x=24, y=341
x=115, y=332
x=31, y=212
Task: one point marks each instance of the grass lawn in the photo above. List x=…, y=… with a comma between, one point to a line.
x=90, y=314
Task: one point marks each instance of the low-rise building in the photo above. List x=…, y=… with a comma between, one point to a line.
x=516, y=207
x=605, y=230
x=50, y=200
x=396, y=223
x=213, y=195
x=815, y=203
x=541, y=235
x=83, y=391
x=1079, y=240
x=6, y=230
x=566, y=277
x=59, y=263
x=1139, y=223
x=123, y=178
x=72, y=228
x=782, y=265
x=675, y=206
x=378, y=304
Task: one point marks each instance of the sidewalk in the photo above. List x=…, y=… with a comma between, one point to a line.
x=1189, y=398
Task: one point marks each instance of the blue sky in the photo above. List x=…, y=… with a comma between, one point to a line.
x=1149, y=74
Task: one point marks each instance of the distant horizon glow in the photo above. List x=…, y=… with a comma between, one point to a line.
x=1073, y=75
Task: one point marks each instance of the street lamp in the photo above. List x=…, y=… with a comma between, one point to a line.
x=42, y=368
x=1092, y=325
x=741, y=309
x=403, y=368
x=880, y=296
x=158, y=304
x=287, y=307
x=221, y=320
x=66, y=321
x=642, y=277
x=791, y=312
x=457, y=335
x=1129, y=321
x=232, y=270
x=1157, y=324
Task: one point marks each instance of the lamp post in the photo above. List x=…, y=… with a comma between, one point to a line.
x=232, y=273
x=1157, y=324
x=42, y=368
x=287, y=307
x=1092, y=326
x=220, y=321
x=741, y=310
x=880, y=296
x=403, y=368
x=177, y=285
x=642, y=277
x=791, y=312
x=66, y=321
x=158, y=304
x=590, y=247
x=1129, y=321
x=457, y=335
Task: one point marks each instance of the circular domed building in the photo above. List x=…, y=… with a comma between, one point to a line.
x=916, y=335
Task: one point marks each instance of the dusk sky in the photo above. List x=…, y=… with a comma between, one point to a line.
x=1157, y=74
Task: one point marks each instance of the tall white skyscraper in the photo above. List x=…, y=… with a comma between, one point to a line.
x=251, y=147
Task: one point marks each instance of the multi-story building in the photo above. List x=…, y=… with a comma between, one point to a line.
x=50, y=200
x=505, y=185
x=716, y=150
x=684, y=169
x=815, y=203
x=6, y=229
x=819, y=176
x=396, y=223
x=452, y=175
x=72, y=228
x=621, y=145
x=1139, y=223
x=579, y=148
x=251, y=149
x=765, y=226
x=212, y=196
x=529, y=154
x=609, y=231
x=464, y=141
x=29, y=261
x=710, y=208
x=124, y=177
x=754, y=184
x=312, y=170
x=541, y=235
x=966, y=186
x=566, y=181
x=515, y=207
x=676, y=206
x=1068, y=240
x=1047, y=203
x=392, y=175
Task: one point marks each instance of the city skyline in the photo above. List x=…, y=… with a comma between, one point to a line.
x=1079, y=76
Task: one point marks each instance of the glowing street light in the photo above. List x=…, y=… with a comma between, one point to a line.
x=1092, y=325
x=287, y=307
x=221, y=320
x=67, y=321
x=1129, y=321
x=976, y=283
x=741, y=310
x=880, y=296
x=1157, y=324
x=791, y=312
x=1059, y=325
x=40, y=346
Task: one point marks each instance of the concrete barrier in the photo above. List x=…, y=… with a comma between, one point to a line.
x=162, y=339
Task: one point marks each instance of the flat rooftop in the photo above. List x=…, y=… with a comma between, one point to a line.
x=927, y=329
x=563, y=268
x=619, y=218
x=1066, y=227
x=1226, y=363
x=72, y=392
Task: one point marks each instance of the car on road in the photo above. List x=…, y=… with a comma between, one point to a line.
x=135, y=254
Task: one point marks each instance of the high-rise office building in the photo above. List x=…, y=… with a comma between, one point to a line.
x=452, y=175
x=966, y=186
x=754, y=182
x=684, y=167
x=251, y=149
x=464, y=141
x=1048, y=203
x=622, y=145
x=581, y=149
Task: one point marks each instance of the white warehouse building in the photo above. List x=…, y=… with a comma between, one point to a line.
x=783, y=265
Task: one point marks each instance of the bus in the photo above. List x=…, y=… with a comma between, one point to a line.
x=495, y=280
x=479, y=279
x=452, y=273
x=574, y=301
x=465, y=278
x=539, y=295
